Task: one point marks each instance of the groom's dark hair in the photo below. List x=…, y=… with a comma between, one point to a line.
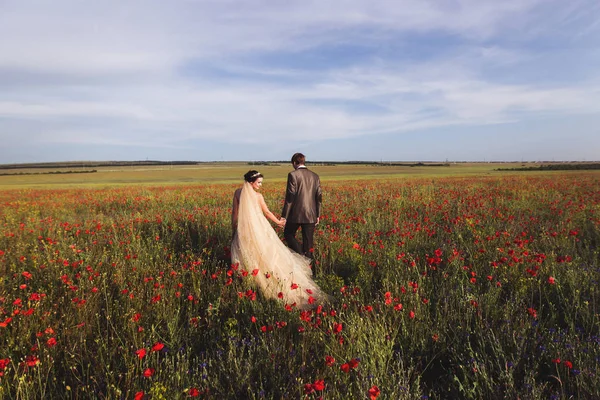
x=298, y=159
x=252, y=176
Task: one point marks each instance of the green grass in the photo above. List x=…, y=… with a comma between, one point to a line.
x=231, y=173
x=475, y=285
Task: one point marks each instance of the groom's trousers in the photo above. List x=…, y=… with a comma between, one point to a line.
x=308, y=232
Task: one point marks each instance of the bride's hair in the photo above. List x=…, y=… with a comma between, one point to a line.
x=252, y=176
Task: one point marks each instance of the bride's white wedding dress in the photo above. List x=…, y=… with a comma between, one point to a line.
x=275, y=269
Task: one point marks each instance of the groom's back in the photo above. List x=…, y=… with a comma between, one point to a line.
x=303, y=197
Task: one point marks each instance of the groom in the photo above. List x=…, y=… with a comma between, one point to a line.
x=302, y=207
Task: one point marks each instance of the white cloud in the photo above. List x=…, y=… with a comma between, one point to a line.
x=156, y=73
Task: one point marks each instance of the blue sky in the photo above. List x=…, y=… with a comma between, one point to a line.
x=219, y=80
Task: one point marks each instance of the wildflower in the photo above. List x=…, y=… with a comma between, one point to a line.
x=329, y=361
x=51, y=342
x=193, y=392
x=139, y=396
x=3, y=364
x=337, y=328
x=158, y=346
x=411, y=314
x=319, y=385
x=373, y=392
x=308, y=388
x=141, y=353
x=148, y=372
x=551, y=280
x=32, y=361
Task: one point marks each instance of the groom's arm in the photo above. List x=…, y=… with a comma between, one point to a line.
x=290, y=195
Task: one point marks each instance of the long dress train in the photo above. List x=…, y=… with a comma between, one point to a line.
x=276, y=270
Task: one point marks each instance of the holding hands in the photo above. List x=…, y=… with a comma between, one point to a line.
x=281, y=222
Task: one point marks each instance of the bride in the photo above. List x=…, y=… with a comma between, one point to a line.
x=256, y=247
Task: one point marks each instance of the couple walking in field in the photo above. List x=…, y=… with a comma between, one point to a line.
x=279, y=271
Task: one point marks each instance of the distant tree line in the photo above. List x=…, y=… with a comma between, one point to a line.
x=84, y=164
x=372, y=163
x=48, y=173
x=555, y=167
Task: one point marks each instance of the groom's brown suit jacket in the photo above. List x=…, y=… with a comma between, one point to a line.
x=302, y=197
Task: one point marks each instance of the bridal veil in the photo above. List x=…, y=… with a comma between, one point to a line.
x=276, y=270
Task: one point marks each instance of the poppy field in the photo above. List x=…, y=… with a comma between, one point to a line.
x=474, y=287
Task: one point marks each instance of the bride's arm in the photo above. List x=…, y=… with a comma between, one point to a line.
x=266, y=211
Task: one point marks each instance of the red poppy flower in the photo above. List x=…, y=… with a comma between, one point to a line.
x=32, y=361
x=141, y=353
x=51, y=342
x=319, y=385
x=193, y=392
x=308, y=388
x=373, y=392
x=329, y=361
x=139, y=396
x=148, y=372
x=3, y=364
x=158, y=346
x=337, y=328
